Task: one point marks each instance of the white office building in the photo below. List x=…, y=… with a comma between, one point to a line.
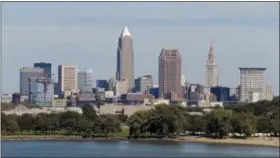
x=121, y=87
x=269, y=92
x=253, y=97
x=67, y=78
x=85, y=80
x=252, y=81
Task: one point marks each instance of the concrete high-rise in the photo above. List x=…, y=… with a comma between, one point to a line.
x=85, y=81
x=170, y=71
x=143, y=84
x=268, y=92
x=67, y=78
x=252, y=81
x=211, y=69
x=125, y=59
x=25, y=74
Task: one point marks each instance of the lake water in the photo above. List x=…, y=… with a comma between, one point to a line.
x=51, y=148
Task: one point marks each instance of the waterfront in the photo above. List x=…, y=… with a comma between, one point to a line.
x=59, y=148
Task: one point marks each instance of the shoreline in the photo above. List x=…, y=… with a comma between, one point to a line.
x=265, y=142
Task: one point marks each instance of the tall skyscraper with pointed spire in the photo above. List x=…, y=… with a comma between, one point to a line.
x=125, y=58
x=211, y=69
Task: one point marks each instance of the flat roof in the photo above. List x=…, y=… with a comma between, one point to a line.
x=254, y=68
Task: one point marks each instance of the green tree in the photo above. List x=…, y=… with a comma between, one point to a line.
x=242, y=123
x=42, y=123
x=138, y=123
x=107, y=124
x=85, y=128
x=218, y=123
x=89, y=112
x=54, y=122
x=26, y=122
x=69, y=121
x=12, y=126
x=197, y=124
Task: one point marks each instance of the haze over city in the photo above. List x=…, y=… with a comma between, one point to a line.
x=86, y=34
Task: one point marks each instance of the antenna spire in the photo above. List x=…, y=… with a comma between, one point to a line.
x=125, y=32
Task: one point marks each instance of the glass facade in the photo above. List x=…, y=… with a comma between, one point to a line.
x=102, y=84
x=222, y=93
x=85, y=80
x=25, y=74
x=47, y=68
x=155, y=92
x=41, y=91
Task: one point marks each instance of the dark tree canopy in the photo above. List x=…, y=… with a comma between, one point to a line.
x=161, y=121
x=89, y=112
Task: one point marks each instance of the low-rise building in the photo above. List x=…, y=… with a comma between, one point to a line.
x=6, y=98
x=136, y=98
x=125, y=109
x=121, y=87
x=160, y=101
x=216, y=104
x=203, y=104
x=20, y=110
x=59, y=102
x=16, y=98
x=253, y=97
x=109, y=94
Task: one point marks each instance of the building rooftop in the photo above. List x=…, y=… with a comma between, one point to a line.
x=252, y=68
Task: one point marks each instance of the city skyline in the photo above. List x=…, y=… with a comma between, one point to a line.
x=76, y=41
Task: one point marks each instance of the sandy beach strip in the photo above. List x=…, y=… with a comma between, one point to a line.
x=268, y=141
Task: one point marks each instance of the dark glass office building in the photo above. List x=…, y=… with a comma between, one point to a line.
x=47, y=68
x=16, y=98
x=155, y=92
x=222, y=93
x=102, y=84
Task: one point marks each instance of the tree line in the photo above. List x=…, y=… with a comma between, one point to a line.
x=162, y=121
x=66, y=123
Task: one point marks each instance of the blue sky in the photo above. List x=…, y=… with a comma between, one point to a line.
x=86, y=34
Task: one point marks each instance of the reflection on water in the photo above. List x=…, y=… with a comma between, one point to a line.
x=155, y=142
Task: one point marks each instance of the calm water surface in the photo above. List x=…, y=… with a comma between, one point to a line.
x=50, y=148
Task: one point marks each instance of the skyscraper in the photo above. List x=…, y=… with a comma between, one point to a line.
x=47, y=68
x=251, y=81
x=211, y=69
x=125, y=59
x=85, y=82
x=25, y=74
x=67, y=77
x=170, y=71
